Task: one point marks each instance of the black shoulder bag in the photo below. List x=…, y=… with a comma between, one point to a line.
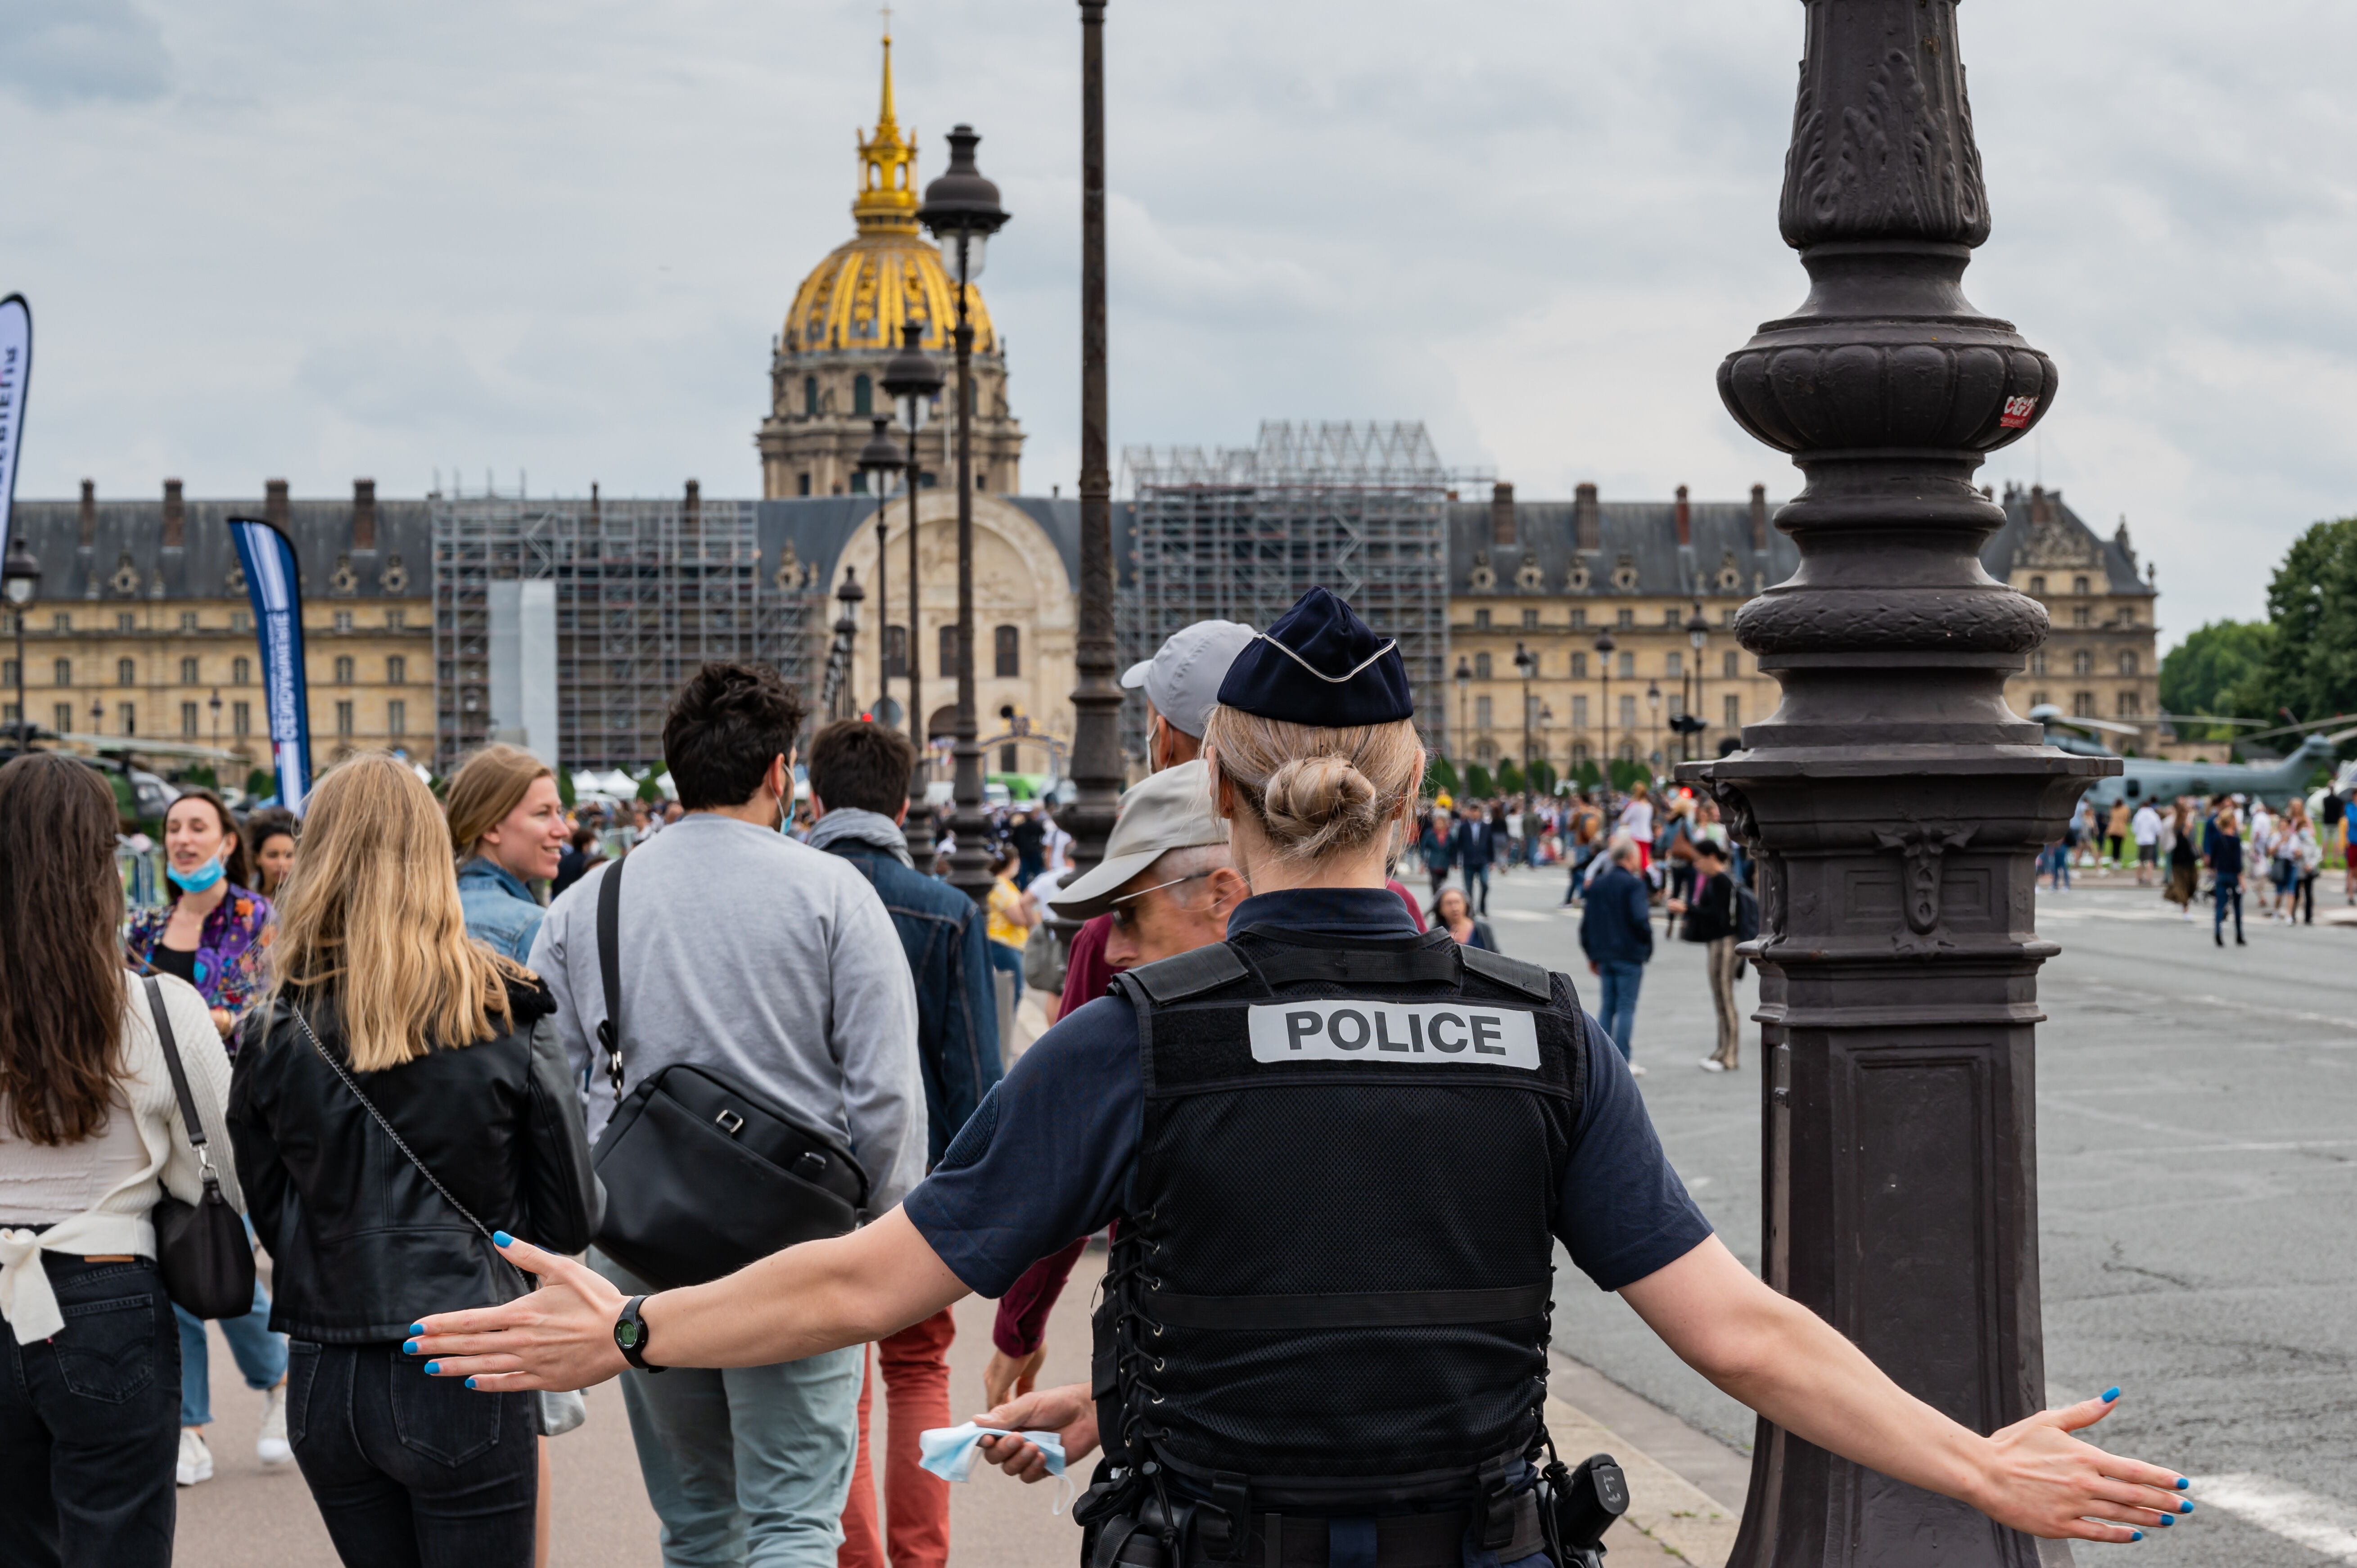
x=703, y=1176
x=201, y=1248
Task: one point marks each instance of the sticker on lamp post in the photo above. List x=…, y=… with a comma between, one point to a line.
x=2019, y=411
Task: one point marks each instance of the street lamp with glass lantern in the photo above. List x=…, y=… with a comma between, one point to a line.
x=1654, y=701
x=22, y=573
x=1464, y=679
x=879, y=460
x=1698, y=638
x=961, y=209
x=1604, y=646
x=1526, y=665
x=214, y=704
x=912, y=380
x=846, y=638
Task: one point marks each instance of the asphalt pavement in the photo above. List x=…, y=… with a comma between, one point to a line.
x=2198, y=1201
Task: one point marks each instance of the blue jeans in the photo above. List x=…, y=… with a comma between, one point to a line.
x=746, y=1465
x=1616, y=1007
x=1011, y=961
x=2228, y=888
x=1476, y=874
x=261, y=1357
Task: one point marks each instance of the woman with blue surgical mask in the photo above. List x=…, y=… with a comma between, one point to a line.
x=212, y=933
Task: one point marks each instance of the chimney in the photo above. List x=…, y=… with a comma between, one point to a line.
x=1501, y=514
x=1685, y=519
x=176, y=515
x=695, y=504
x=363, y=514
x=595, y=513
x=89, y=513
x=273, y=502
x=1758, y=516
x=2039, y=513
x=1586, y=524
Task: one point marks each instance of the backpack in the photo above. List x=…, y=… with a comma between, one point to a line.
x=1747, y=914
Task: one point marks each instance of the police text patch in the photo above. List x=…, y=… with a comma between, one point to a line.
x=1394, y=1031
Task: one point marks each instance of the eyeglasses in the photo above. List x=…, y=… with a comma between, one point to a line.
x=1124, y=918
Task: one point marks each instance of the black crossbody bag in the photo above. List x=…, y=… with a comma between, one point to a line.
x=703, y=1176
x=200, y=1247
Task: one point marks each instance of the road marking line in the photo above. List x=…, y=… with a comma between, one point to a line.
x=2320, y=1524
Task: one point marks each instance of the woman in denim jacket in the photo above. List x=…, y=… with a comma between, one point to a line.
x=508, y=827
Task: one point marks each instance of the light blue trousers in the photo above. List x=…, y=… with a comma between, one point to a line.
x=260, y=1356
x=747, y=1464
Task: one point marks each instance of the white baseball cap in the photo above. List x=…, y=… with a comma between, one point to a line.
x=1183, y=680
x=1170, y=810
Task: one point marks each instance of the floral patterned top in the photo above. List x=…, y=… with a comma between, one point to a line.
x=228, y=960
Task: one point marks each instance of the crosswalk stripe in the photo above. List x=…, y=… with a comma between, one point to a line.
x=2320, y=1524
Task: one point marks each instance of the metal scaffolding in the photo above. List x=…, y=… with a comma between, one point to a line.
x=646, y=592
x=1238, y=533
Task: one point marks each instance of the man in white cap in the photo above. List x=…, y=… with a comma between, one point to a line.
x=1182, y=686
x=1166, y=886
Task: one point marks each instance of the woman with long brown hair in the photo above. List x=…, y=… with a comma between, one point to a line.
x=90, y=1137
x=402, y=1086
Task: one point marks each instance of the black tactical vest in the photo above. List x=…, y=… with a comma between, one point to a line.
x=1329, y=1290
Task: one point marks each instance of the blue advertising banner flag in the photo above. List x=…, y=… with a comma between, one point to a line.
x=274, y=584
x=15, y=374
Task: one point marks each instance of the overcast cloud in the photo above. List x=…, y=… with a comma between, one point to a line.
x=272, y=238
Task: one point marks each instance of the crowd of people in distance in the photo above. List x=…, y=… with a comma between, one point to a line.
x=2217, y=850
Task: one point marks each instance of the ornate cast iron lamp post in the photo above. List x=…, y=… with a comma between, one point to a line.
x=913, y=378
x=961, y=209
x=1464, y=681
x=1894, y=802
x=879, y=460
x=1604, y=647
x=22, y=573
x=1526, y=665
x=1096, y=766
x=1698, y=639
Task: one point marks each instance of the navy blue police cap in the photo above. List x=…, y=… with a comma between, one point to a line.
x=1321, y=665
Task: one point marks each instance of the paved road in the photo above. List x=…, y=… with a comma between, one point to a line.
x=2197, y=1129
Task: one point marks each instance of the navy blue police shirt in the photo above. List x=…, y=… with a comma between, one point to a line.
x=1049, y=1154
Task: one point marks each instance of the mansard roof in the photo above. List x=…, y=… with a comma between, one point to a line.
x=126, y=558
x=2042, y=533
x=1638, y=550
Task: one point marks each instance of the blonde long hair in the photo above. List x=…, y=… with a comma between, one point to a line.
x=372, y=911
x=1316, y=792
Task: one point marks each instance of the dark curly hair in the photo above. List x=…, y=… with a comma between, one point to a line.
x=727, y=724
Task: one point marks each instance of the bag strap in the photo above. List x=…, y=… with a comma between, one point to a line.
x=423, y=1169
x=609, y=971
x=193, y=1123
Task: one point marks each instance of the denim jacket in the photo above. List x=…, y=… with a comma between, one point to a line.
x=957, y=1005
x=502, y=913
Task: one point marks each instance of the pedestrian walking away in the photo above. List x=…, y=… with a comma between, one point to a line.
x=92, y=1136
x=2145, y=828
x=1616, y=932
x=2221, y=846
x=1711, y=920
x=403, y=1090
x=215, y=933
x=773, y=969
x=1234, y=1429
x=859, y=797
x=2184, y=859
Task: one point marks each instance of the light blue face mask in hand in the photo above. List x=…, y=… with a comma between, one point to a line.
x=949, y=1452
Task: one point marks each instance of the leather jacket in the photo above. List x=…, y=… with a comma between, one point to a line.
x=361, y=1244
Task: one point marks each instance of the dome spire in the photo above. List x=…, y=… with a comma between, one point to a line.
x=888, y=164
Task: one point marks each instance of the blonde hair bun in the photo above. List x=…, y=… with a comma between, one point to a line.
x=1314, y=804
x=1316, y=791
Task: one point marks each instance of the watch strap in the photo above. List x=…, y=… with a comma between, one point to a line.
x=631, y=1334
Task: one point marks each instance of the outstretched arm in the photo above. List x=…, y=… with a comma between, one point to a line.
x=1793, y=1367
x=821, y=1295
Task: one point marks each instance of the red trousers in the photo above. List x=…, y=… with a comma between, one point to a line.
x=916, y=1367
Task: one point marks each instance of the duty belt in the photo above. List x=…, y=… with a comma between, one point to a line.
x=1295, y=1541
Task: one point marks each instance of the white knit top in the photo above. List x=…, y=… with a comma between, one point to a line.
x=118, y=1220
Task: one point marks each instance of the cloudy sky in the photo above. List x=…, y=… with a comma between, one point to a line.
x=274, y=238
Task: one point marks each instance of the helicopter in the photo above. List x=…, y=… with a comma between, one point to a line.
x=2151, y=779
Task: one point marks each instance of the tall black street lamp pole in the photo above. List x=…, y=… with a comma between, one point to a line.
x=213, y=703
x=1894, y=802
x=879, y=460
x=913, y=378
x=1698, y=639
x=1654, y=701
x=1604, y=646
x=1464, y=681
x=1526, y=665
x=21, y=573
x=1096, y=766
x=961, y=209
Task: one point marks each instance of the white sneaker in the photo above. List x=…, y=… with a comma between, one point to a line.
x=1711, y=1064
x=1636, y=1069
x=272, y=1447
x=196, y=1459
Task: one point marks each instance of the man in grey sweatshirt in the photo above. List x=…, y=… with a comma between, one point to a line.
x=776, y=964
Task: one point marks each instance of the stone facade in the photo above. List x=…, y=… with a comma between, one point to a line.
x=2100, y=661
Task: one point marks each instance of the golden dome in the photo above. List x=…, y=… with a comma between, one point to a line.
x=889, y=275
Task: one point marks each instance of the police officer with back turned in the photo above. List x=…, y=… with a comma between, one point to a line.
x=1339, y=1154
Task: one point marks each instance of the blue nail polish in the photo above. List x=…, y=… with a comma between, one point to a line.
x=409, y=1346
x=2183, y=1482
x=470, y=1383
x=2136, y=1535
x=500, y=1238
x=417, y=1328
x=2110, y=1394
x=2182, y=1506
x=431, y=1367
x=2166, y=1521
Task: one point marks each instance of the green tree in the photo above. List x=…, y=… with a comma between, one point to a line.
x=650, y=789
x=1627, y=773
x=1588, y=776
x=2218, y=670
x=1542, y=776
x=1478, y=783
x=261, y=781
x=1510, y=778
x=2312, y=662
x=564, y=796
x=1440, y=776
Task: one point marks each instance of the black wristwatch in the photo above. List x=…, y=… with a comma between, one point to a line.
x=631, y=1334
